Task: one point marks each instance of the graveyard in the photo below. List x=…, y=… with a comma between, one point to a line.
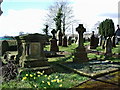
x=57, y=60
x=30, y=63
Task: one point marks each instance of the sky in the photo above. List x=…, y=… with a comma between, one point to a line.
x=28, y=16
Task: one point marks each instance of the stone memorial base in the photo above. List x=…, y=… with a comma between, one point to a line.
x=35, y=63
x=80, y=55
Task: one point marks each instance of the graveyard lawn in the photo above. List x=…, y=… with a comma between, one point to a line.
x=61, y=78
x=69, y=79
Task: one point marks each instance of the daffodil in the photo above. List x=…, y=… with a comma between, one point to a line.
x=45, y=75
x=43, y=81
x=56, y=77
x=26, y=75
x=38, y=72
x=35, y=86
x=53, y=80
x=44, y=87
x=38, y=75
x=31, y=75
x=48, y=83
x=43, y=71
x=60, y=85
x=48, y=78
x=58, y=80
x=34, y=78
x=34, y=73
x=24, y=78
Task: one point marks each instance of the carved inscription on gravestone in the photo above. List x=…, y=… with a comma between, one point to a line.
x=34, y=48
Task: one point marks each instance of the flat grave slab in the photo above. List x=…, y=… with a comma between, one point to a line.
x=94, y=68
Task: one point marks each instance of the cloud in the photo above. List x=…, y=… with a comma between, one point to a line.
x=89, y=11
x=28, y=20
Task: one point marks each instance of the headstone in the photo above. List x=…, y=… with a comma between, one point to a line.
x=60, y=38
x=64, y=44
x=118, y=34
x=113, y=41
x=80, y=54
x=108, y=48
x=93, y=41
x=53, y=44
x=30, y=50
x=69, y=40
x=100, y=40
x=4, y=46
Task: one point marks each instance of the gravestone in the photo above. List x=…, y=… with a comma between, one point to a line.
x=108, y=48
x=60, y=38
x=53, y=44
x=100, y=40
x=64, y=44
x=93, y=41
x=117, y=33
x=69, y=40
x=80, y=54
x=113, y=41
x=30, y=51
x=4, y=46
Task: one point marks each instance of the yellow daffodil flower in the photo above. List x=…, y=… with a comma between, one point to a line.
x=31, y=75
x=26, y=75
x=38, y=75
x=24, y=78
x=60, y=85
x=43, y=81
x=56, y=77
x=48, y=83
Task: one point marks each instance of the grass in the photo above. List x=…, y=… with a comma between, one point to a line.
x=70, y=48
x=69, y=79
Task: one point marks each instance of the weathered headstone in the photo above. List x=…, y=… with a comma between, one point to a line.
x=53, y=44
x=60, y=38
x=93, y=41
x=64, y=44
x=113, y=41
x=117, y=33
x=69, y=40
x=80, y=54
x=4, y=46
x=30, y=51
x=108, y=48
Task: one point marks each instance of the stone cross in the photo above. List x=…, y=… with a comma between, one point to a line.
x=80, y=54
x=80, y=29
x=53, y=33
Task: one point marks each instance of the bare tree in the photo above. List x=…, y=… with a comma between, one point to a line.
x=67, y=15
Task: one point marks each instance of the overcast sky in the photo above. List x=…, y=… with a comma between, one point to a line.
x=29, y=15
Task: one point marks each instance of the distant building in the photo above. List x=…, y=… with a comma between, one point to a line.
x=0, y=7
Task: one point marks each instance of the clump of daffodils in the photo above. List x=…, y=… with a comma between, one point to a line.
x=40, y=80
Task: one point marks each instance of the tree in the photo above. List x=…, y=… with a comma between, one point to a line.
x=46, y=30
x=58, y=18
x=106, y=28
x=62, y=10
